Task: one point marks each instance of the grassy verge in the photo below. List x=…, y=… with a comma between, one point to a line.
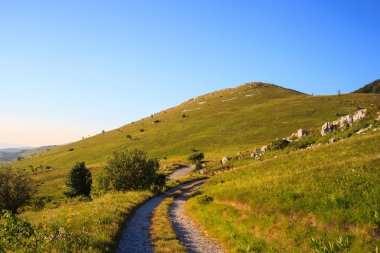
x=84, y=226
x=162, y=234
x=325, y=200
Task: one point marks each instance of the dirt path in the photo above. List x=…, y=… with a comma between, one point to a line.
x=188, y=233
x=181, y=172
x=135, y=236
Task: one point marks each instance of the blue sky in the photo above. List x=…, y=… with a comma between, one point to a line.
x=73, y=68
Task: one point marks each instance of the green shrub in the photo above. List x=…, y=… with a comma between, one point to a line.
x=17, y=235
x=279, y=144
x=129, y=169
x=304, y=142
x=204, y=199
x=15, y=190
x=79, y=181
x=196, y=157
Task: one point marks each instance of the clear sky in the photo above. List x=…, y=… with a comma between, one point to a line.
x=73, y=68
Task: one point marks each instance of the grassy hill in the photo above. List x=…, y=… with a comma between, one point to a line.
x=324, y=199
x=219, y=123
x=227, y=120
x=373, y=87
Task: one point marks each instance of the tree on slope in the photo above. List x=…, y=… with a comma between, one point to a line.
x=79, y=181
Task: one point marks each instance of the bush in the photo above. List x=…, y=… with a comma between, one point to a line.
x=196, y=157
x=159, y=183
x=279, y=144
x=304, y=142
x=17, y=235
x=15, y=190
x=129, y=169
x=79, y=181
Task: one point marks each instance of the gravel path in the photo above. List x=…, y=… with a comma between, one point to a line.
x=181, y=172
x=187, y=231
x=135, y=236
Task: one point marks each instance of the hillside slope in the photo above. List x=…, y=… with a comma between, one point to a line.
x=223, y=121
x=373, y=87
x=303, y=201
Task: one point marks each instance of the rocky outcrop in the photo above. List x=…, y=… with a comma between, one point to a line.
x=359, y=115
x=343, y=121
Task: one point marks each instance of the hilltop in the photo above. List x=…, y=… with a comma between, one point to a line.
x=373, y=87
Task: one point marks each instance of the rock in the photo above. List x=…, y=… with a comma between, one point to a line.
x=256, y=155
x=301, y=133
x=327, y=128
x=264, y=148
x=225, y=159
x=359, y=115
x=348, y=119
x=332, y=140
x=364, y=130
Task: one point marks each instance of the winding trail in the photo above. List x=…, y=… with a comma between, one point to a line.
x=135, y=236
x=188, y=233
x=181, y=172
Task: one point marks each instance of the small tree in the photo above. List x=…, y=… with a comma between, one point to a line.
x=15, y=190
x=196, y=157
x=79, y=181
x=130, y=169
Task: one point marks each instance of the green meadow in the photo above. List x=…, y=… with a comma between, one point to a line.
x=324, y=199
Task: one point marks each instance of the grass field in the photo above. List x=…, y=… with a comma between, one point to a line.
x=298, y=202
x=74, y=226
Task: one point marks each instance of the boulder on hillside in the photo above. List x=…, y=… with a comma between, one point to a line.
x=332, y=140
x=327, y=128
x=264, y=148
x=225, y=159
x=301, y=133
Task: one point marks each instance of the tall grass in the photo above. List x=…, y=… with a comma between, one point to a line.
x=85, y=226
x=325, y=196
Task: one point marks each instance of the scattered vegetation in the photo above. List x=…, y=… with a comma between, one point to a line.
x=323, y=199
